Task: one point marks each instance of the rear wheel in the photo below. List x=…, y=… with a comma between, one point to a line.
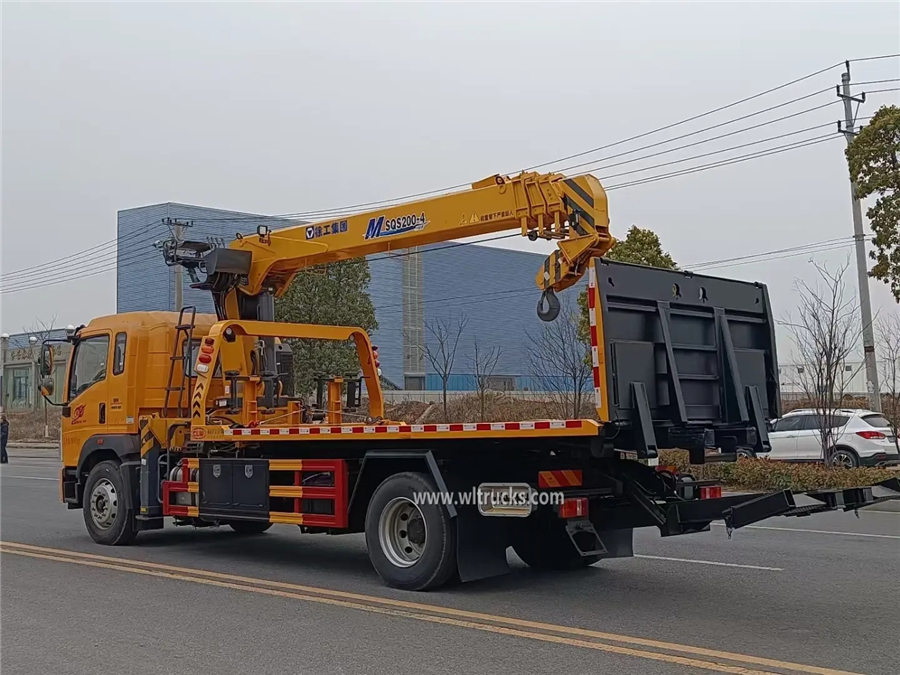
x=412, y=546
x=745, y=453
x=544, y=544
x=249, y=526
x=108, y=520
x=843, y=458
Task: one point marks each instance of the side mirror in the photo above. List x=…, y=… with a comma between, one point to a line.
x=46, y=360
x=47, y=386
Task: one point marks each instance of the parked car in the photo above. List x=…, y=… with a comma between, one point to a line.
x=859, y=438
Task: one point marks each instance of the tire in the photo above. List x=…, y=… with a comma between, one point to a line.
x=545, y=545
x=249, y=526
x=844, y=458
x=745, y=453
x=105, y=516
x=412, y=547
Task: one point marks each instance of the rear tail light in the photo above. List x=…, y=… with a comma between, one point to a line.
x=574, y=508
x=204, y=358
x=871, y=435
x=711, y=492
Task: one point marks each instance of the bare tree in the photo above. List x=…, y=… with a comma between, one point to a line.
x=887, y=330
x=484, y=363
x=41, y=330
x=441, y=349
x=825, y=331
x=560, y=363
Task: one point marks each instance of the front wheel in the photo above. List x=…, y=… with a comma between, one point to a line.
x=108, y=520
x=411, y=545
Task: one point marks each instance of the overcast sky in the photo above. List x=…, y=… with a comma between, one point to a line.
x=277, y=108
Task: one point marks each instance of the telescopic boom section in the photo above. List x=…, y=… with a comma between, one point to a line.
x=572, y=211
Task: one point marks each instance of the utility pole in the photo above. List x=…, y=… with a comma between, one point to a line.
x=862, y=267
x=178, y=232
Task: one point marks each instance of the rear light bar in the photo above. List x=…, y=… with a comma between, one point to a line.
x=576, y=507
x=870, y=435
x=711, y=492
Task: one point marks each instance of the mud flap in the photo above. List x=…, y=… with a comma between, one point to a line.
x=481, y=545
x=618, y=543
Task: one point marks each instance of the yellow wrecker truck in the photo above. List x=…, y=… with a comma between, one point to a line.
x=192, y=419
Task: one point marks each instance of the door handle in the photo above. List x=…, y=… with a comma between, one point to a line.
x=102, y=413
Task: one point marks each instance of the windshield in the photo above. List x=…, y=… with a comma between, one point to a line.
x=89, y=367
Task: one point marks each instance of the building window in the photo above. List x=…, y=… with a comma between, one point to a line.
x=21, y=388
x=414, y=383
x=501, y=383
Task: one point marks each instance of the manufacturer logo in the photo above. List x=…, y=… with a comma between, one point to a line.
x=217, y=470
x=316, y=231
x=248, y=470
x=382, y=226
x=198, y=434
x=78, y=414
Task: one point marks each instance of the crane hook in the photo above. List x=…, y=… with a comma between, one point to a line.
x=553, y=306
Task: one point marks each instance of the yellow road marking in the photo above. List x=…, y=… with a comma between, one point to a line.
x=448, y=611
x=626, y=651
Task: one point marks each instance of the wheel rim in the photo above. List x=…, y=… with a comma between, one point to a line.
x=402, y=532
x=842, y=460
x=104, y=504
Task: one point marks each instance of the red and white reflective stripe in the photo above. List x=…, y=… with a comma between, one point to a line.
x=405, y=428
x=592, y=314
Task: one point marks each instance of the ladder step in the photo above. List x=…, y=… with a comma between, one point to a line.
x=185, y=326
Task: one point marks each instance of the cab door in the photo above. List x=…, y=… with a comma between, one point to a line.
x=87, y=390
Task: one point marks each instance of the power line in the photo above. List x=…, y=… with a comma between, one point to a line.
x=77, y=257
x=716, y=165
x=715, y=152
x=129, y=258
x=31, y=272
x=874, y=58
x=688, y=119
x=139, y=258
x=325, y=212
x=695, y=143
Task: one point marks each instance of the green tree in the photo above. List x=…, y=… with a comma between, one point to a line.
x=875, y=168
x=640, y=247
x=335, y=294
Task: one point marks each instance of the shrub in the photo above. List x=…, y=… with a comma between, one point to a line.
x=764, y=474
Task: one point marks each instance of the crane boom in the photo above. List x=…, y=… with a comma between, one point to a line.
x=571, y=211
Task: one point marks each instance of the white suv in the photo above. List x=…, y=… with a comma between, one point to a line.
x=861, y=438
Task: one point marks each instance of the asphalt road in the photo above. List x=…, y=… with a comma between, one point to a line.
x=815, y=595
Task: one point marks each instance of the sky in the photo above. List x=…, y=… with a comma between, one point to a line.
x=281, y=108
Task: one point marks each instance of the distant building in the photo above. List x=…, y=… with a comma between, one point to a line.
x=21, y=370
